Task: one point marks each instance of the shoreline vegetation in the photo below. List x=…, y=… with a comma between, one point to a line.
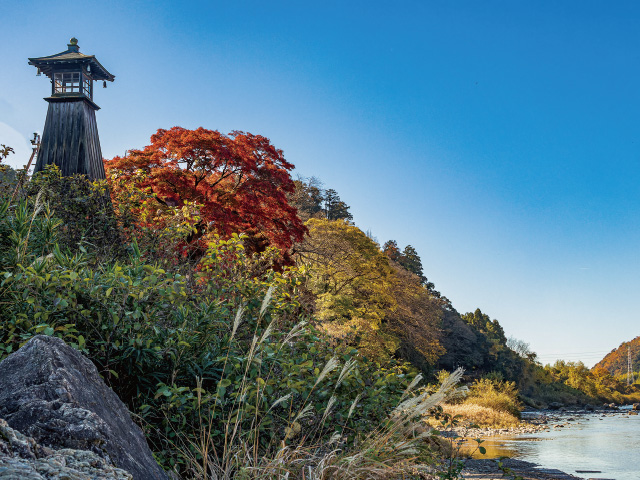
x=252, y=329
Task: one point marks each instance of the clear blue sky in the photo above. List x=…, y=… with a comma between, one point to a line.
x=500, y=139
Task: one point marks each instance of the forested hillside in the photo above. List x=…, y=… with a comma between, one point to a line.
x=245, y=318
x=378, y=299
x=616, y=361
x=182, y=279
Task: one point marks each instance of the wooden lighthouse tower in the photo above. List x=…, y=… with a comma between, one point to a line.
x=70, y=137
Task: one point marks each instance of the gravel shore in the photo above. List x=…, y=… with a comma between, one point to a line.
x=482, y=469
x=533, y=422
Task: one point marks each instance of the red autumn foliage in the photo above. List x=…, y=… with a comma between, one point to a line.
x=240, y=180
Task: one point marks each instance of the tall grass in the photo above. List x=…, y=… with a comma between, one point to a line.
x=310, y=446
x=496, y=395
x=472, y=413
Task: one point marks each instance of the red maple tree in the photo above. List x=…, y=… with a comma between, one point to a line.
x=239, y=180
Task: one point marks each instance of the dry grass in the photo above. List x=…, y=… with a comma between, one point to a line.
x=396, y=448
x=471, y=413
x=500, y=396
x=392, y=450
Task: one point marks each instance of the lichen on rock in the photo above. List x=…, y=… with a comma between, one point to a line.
x=52, y=393
x=22, y=458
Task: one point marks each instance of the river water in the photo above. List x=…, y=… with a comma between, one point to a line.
x=606, y=443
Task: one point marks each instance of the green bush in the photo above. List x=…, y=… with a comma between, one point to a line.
x=8, y=181
x=84, y=209
x=495, y=394
x=204, y=356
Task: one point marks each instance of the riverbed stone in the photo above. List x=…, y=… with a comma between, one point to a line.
x=21, y=458
x=52, y=393
x=481, y=469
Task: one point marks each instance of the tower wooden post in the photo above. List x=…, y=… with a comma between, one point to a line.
x=70, y=136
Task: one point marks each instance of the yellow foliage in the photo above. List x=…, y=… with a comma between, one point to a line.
x=362, y=298
x=471, y=413
x=496, y=395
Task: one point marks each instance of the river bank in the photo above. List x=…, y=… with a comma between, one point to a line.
x=550, y=443
x=485, y=469
x=488, y=468
x=532, y=422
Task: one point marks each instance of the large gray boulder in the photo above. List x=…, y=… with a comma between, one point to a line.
x=52, y=393
x=21, y=458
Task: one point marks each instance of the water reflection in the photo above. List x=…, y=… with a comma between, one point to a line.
x=496, y=447
x=608, y=443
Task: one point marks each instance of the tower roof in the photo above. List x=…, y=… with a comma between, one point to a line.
x=69, y=57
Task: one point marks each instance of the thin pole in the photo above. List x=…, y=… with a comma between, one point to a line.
x=36, y=146
x=630, y=377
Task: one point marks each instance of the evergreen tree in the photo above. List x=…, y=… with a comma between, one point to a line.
x=411, y=261
x=477, y=319
x=313, y=201
x=308, y=198
x=334, y=208
x=391, y=250
x=491, y=328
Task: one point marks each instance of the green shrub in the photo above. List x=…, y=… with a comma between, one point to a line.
x=84, y=209
x=497, y=395
x=8, y=181
x=204, y=356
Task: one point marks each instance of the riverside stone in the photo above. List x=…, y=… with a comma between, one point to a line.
x=485, y=469
x=21, y=458
x=52, y=393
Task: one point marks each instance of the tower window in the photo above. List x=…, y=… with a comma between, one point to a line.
x=70, y=82
x=86, y=86
x=66, y=82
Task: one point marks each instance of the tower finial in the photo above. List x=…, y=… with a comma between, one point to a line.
x=73, y=45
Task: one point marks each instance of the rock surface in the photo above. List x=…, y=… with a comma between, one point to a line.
x=50, y=392
x=21, y=458
x=488, y=470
